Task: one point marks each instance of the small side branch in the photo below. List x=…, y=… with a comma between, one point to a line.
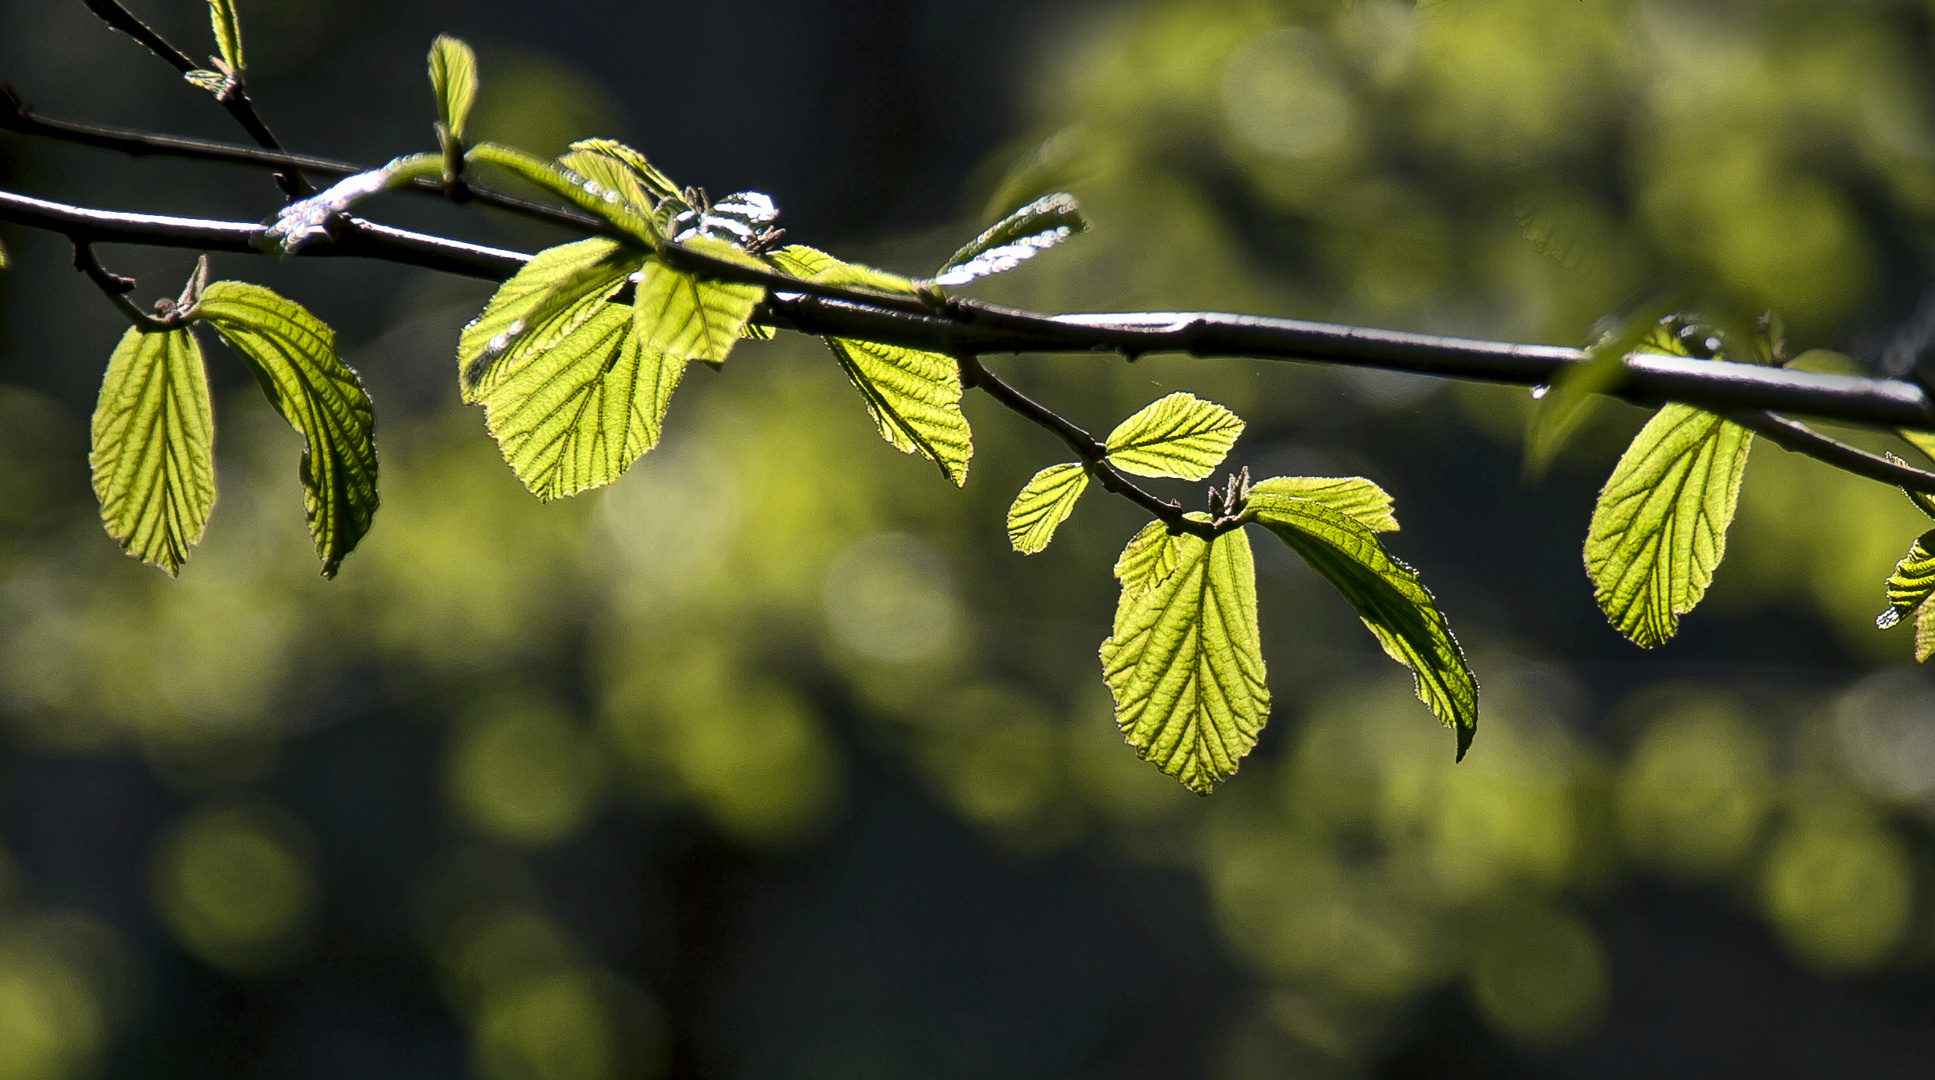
x=1802, y=439
x=235, y=99
x=1094, y=455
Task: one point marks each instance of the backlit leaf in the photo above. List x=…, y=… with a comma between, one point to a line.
x=154, y=447
x=576, y=415
x=805, y=262
x=228, y=33
x=1909, y=589
x=1354, y=497
x=655, y=182
x=1180, y=435
x=1185, y=664
x=1660, y=529
x=550, y=297
x=915, y=399
x=1387, y=595
x=1015, y=239
x=586, y=194
x=688, y=316
x=1043, y=505
x=293, y=356
x=453, y=79
x=1148, y=558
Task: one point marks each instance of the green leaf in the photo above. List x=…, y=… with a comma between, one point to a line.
x=607, y=176
x=687, y=316
x=228, y=33
x=453, y=79
x=1923, y=441
x=293, y=356
x=1909, y=588
x=1044, y=504
x=550, y=297
x=915, y=399
x=4, y=264
x=654, y=181
x=1147, y=560
x=576, y=415
x=1577, y=393
x=1015, y=239
x=1660, y=528
x=1388, y=596
x=1180, y=435
x=587, y=195
x=1185, y=664
x=214, y=82
x=154, y=447
x=813, y=265
x=1354, y=497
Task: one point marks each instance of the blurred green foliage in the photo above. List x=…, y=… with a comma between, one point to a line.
x=679, y=645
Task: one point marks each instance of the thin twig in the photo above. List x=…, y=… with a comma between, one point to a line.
x=1094, y=455
x=235, y=99
x=1802, y=439
x=21, y=119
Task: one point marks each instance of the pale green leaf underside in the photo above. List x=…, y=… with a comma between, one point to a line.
x=154, y=447
x=1660, y=529
x=550, y=297
x=1185, y=664
x=1386, y=594
x=1015, y=239
x=453, y=79
x=814, y=265
x=293, y=356
x=915, y=399
x=1352, y=496
x=228, y=33
x=689, y=317
x=1043, y=505
x=575, y=416
x=1180, y=435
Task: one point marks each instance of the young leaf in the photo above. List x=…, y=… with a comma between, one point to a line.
x=915, y=399
x=1043, y=505
x=593, y=198
x=813, y=265
x=1387, y=594
x=293, y=356
x=542, y=303
x=690, y=317
x=1180, y=435
x=1354, y=497
x=1576, y=394
x=657, y=183
x=214, y=82
x=607, y=176
x=1147, y=560
x=1923, y=441
x=154, y=447
x=453, y=79
x=1015, y=239
x=1660, y=528
x=575, y=416
x=1909, y=589
x=228, y=33
x=1185, y=664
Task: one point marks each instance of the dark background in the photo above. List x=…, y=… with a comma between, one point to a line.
x=635, y=785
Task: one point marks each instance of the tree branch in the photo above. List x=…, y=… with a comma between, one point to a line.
x=21, y=119
x=1802, y=439
x=235, y=99
x=1742, y=392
